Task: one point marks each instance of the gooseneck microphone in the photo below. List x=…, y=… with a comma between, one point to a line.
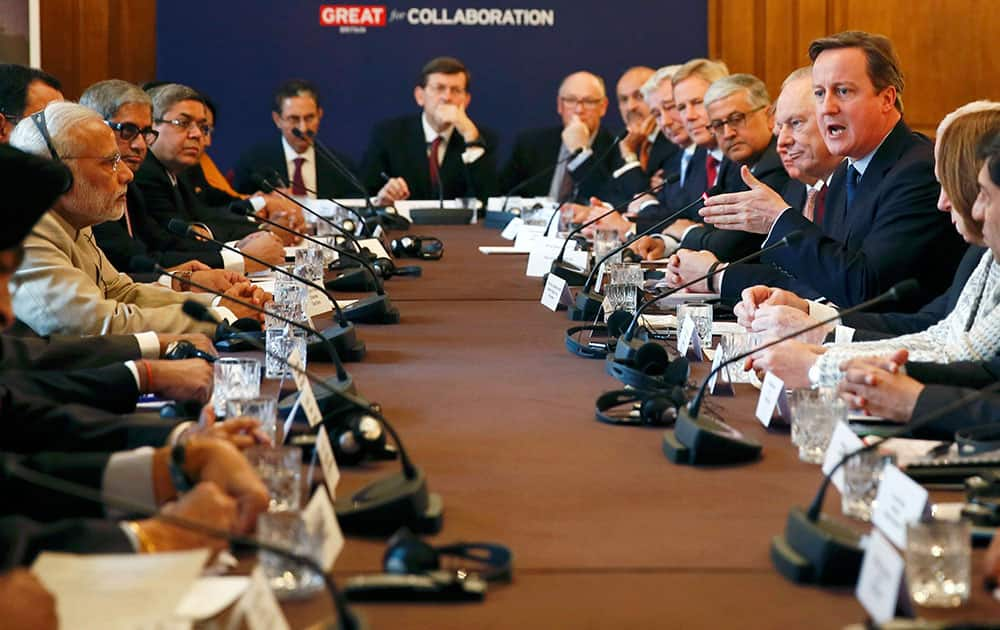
x=331, y=157
x=817, y=550
x=537, y=176
x=269, y=187
x=600, y=159
x=386, y=505
x=630, y=330
x=279, y=182
x=901, y=291
x=374, y=309
x=347, y=619
x=588, y=302
x=331, y=350
x=569, y=274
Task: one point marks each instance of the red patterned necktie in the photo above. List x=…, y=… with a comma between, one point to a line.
x=432, y=161
x=298, y=185
x=711, y=170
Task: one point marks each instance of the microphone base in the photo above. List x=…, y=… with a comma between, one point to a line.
x=572, y=277
x=345, y=341
x=381, y=508
x=588, y=305
x=354, y=280
x=707, y=442
x=327, y=402
x=441, y=216
x=373, y=309
x=822, y=552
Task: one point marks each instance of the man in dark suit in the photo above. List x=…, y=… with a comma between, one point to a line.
x=881, y=224
x=804, y=156
x=440, y=152
x=24, y=91
x=180, y=119
x=573, y=162
x=296, y=109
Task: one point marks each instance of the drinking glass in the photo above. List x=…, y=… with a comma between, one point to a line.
x=605, y=240
x=289, y=579
x=701, y=313
x=281, y=340
x=309, y=262
x=234, y=378
x=263, y=409
x=815, y=413
x=280, y=468
x=862, y=474
x=624, y=282
x=734, y=344
x=938, y=562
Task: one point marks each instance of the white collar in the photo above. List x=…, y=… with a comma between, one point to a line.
x=717, y=154
x=690, y=149
x=430, y=134
x=290, y=153
x=861, y=164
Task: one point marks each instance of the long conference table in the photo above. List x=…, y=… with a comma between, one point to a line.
x=605, y=531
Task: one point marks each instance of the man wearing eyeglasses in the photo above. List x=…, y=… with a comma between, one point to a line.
x=24, y=91
x=579, y=149
x=440, y=152
x=180, y=119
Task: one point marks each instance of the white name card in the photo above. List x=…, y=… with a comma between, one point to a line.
x=320, y=517
x=880, y=582
x=512, y=229
x=258, y=607
x=899, y=501
x=318, y=303
x=543, y=252
x=306, y=397
x=771, y=390
x=720, y=384
x=327, y=461
x=556, y=293
x=376, y=247
x=576, y=257
x=684, y=335
x=527, y=235
x=842, y=442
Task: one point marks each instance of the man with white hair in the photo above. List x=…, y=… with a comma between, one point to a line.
x=65, y=283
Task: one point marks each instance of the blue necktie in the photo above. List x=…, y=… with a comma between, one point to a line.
x=853, y=177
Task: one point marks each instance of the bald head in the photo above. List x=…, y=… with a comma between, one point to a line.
x=582, y=95
x=628, y=91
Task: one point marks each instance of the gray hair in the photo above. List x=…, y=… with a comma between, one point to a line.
x=107, y=97
x=705, y=69
x=805, y=72
x=666, y=73
x=61, y=118
x=166, y=96
x=727, y=86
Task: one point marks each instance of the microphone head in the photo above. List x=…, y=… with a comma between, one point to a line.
x=297, y=132
x=176, y=226
x=904, y=290
x=241, y=207
x=671, y=179
x=792, y=238
x=198, y=312
x=260, y=182
x=143, y=264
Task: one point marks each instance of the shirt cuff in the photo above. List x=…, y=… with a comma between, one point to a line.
x=231, y=261
x=628, y=166
x=177, y=432
x=135, y=374
x=472, y=154
x=258, y=203
x=820, y=311
x=205, y=227
x=166, y=281
x=580, y=159
x=129, y=475
x=222, y=312
x=687, y=231
x=648, y=203
x=149, y=345
x=132, y=540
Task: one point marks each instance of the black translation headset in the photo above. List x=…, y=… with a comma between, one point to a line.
x=386, y=269
x=359, y=436
x=651, y=369
x=595, y=341
x=637, y=407
x=412, y=246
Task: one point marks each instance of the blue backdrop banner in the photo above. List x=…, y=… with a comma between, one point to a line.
x=365, y=58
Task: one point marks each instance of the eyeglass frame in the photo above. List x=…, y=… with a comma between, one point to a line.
x=588, y=103
x=115, y=159
x=119, y=128
x=736, y=120
x=204, y=128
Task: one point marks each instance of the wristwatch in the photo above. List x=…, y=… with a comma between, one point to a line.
x=181, y=481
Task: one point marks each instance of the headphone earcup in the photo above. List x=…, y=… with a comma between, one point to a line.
x=655, y=410
x=618, y=322
x=677, y=371
x=384, y=267
x=407, y=554
x=651, y=358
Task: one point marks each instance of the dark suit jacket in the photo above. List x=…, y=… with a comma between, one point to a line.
x=268, y=156
x=65, y=352
x=945, y=384
x=663, y=155
x=165, y=201
x=149, y=239
x=730, y=245
x=22, y=539
x=536, y=151
x=398, y=149
x=881, y=325
x=893, y=232
x=680, y=194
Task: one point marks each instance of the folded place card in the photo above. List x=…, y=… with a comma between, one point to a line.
x=771, y=391
x=899, y=502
